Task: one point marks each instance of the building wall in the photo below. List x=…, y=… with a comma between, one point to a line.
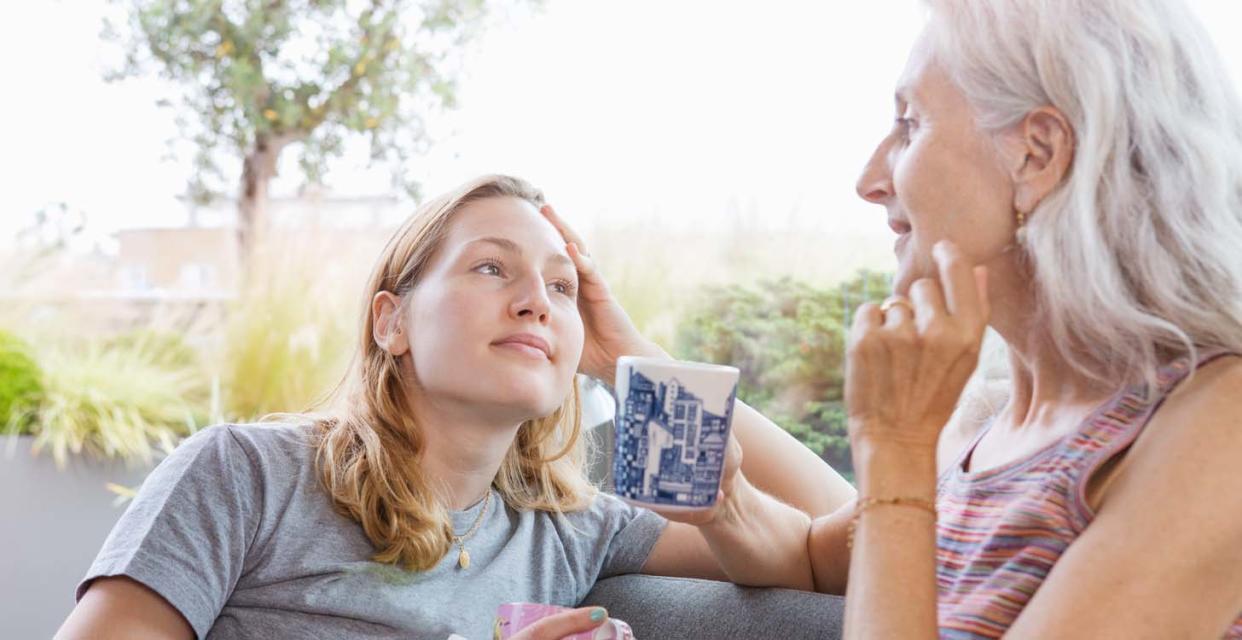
x=185, y=260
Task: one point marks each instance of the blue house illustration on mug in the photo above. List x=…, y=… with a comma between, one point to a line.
x=669, y=449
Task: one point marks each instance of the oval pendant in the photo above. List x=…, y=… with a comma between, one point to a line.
x=463, y=559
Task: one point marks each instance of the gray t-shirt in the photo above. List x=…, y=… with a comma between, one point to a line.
x=235, y=531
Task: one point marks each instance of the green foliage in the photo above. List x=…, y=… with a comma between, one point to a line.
x=21, y=385
x=118, y=399
x=788, y=339
x=257, y=76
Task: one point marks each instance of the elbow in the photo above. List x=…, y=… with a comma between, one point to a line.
x=828, y=554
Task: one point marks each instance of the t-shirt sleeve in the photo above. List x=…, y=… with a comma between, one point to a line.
x=614, y=538
x=186, y=533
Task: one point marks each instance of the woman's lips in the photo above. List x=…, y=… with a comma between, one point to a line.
x=526, y=344
x=900, y=227
x=523, y=349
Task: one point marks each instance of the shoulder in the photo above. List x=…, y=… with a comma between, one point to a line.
x=1176, y=491
x=1215, y=385
x=254, y=451
x=607, y=537
x=1206, y=408
x=602, y=505
x=267, y=439
x=1194, y=439
x=257, y=442
x=604, y=516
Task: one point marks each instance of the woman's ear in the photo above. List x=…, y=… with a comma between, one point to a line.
x=387, y=330
x=1044, y=142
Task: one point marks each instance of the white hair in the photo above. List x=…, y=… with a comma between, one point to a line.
x=1137, y=255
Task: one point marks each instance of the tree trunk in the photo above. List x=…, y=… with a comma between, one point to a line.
x=257, y=172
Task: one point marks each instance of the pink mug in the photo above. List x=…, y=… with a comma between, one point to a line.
x=515, y=616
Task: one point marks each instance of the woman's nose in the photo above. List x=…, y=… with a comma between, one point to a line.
x=531, y=301
x=875, y=185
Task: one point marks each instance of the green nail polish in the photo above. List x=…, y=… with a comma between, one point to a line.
x=598, y=614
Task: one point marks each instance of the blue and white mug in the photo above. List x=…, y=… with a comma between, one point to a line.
x=672, y=426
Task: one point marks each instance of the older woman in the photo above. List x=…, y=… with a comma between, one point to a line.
x=1070, y=174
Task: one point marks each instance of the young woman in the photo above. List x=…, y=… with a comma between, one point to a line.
x=1069, y=173
x=449, y=477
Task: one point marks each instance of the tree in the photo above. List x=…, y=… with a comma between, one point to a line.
x=261, y=75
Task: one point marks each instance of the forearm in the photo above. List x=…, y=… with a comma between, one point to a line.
x=892, y=569
x=786, y=469
x=760, y=541
x=830, y=555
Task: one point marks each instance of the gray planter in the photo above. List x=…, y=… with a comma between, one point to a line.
x=53, y=523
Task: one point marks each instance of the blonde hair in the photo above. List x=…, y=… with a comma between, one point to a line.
x=1136, y=254
x=369, y=443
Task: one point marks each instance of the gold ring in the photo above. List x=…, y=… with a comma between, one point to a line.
x=896, y=302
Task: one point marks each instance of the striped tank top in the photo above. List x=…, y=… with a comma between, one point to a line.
x=1000, y=530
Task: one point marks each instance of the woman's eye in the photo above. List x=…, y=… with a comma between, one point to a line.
x=904, y=125
x=563, y=287
x=489, y=269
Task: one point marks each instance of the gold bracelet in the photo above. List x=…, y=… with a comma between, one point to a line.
x=866, y=503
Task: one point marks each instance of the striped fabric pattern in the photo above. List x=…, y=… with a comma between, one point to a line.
x=1000, y=530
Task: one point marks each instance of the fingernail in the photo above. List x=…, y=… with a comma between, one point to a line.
x=598, y=614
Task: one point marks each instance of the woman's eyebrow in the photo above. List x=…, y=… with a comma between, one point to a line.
x=510, y=246
x=504, y=244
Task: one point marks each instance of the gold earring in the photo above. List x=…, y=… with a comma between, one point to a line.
x=1020, y=234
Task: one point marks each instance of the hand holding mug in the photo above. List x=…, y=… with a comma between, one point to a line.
x=732, y=483
x=529, y=621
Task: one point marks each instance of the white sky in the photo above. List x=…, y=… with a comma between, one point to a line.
x=685, y=111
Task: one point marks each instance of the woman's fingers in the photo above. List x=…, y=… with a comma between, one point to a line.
x=961, y=292
x=587, y=271
x=898, y=312
x=582, y=261
x=929, y=300
x=733, y=455
x=567, y=233
x=867, y=317
x=592, y=287
x=566, y=623
x=861, y=366
x=865, y=343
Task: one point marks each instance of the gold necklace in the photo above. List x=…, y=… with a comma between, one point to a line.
x=463, y=556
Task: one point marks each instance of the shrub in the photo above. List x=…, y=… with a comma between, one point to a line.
x=117, y=399
x=788, y=340
x=21, y=385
